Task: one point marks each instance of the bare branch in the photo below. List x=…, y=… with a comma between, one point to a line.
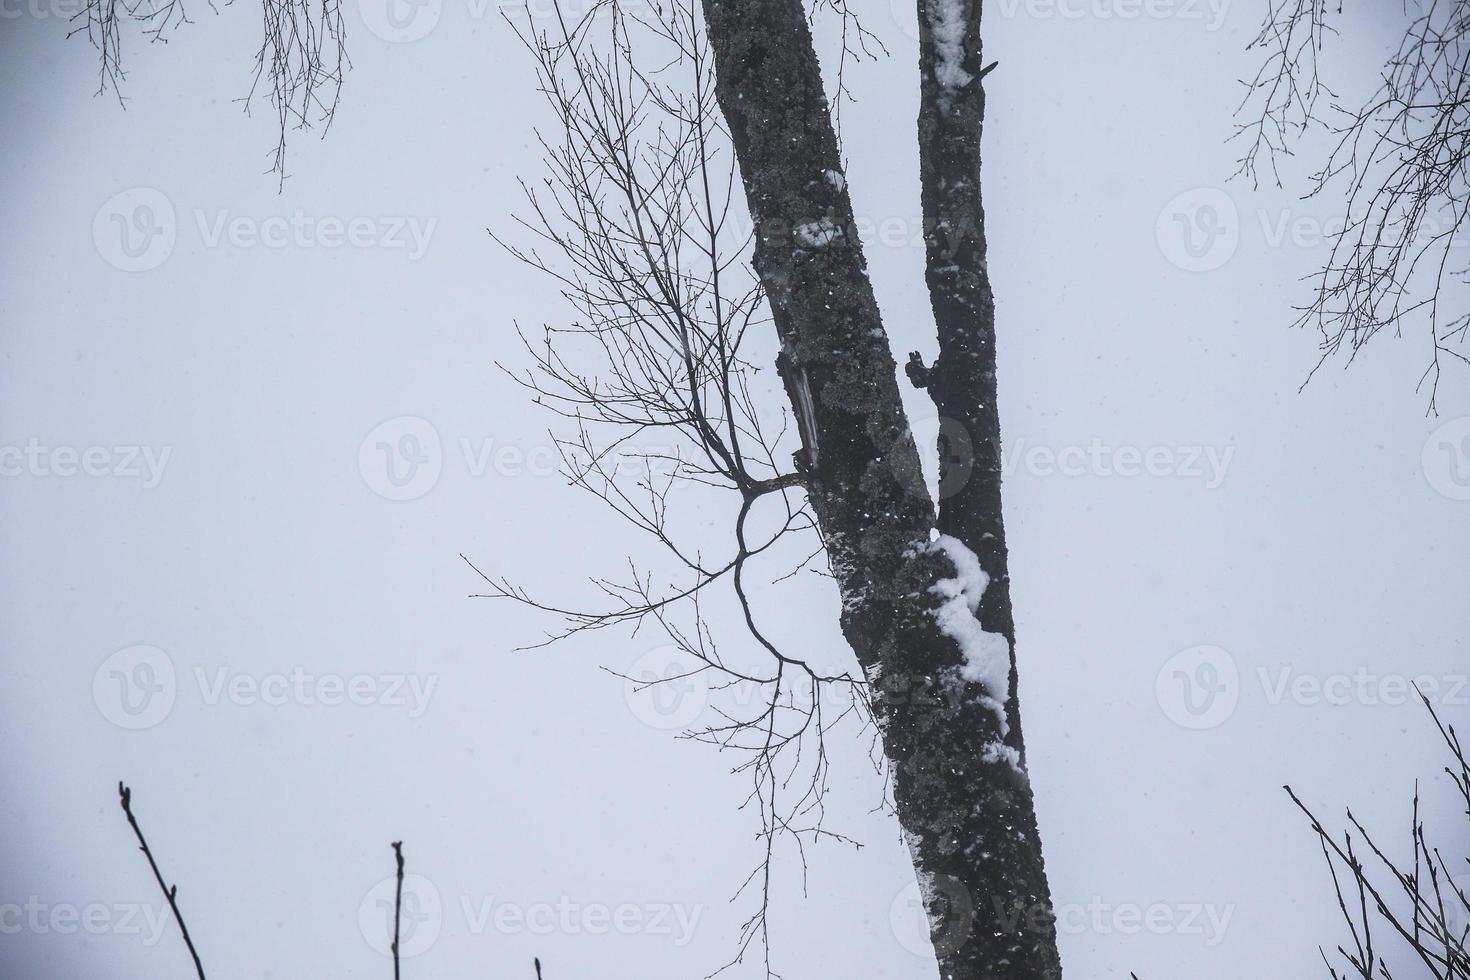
x=170, y=892
x=1422, y=906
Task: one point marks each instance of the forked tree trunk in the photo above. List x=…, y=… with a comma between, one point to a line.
x=941, y=686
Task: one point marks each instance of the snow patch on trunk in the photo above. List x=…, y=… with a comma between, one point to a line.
x=987, y=656
x=947, y=24
x=817, y=234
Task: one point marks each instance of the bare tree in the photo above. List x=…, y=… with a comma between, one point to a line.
x=695, y=199
x=1420, y=912
x=639, y=223
x=1400, y=158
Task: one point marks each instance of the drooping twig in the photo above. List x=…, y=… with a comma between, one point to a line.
x=1400, y=159
x=300, y=64
x=171, y=892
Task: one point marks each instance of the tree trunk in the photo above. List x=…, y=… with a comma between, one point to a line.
x=962, y=382
x=939, y=683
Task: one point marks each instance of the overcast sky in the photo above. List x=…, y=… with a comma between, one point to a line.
x=246, y=434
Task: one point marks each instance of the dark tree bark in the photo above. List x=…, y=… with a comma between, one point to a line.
x=962, y=795
x=962, y=381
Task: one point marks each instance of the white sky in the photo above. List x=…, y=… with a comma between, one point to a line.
x=1327, y=550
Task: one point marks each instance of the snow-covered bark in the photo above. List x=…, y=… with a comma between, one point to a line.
x=915, y=603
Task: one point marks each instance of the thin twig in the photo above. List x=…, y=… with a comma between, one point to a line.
x=171, y=892
x=397, y=903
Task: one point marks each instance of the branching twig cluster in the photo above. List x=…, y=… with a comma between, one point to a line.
x=1426, y=905
x=300, y=67
x=640, y=222
x=1280, y=102
x=1402, y=161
